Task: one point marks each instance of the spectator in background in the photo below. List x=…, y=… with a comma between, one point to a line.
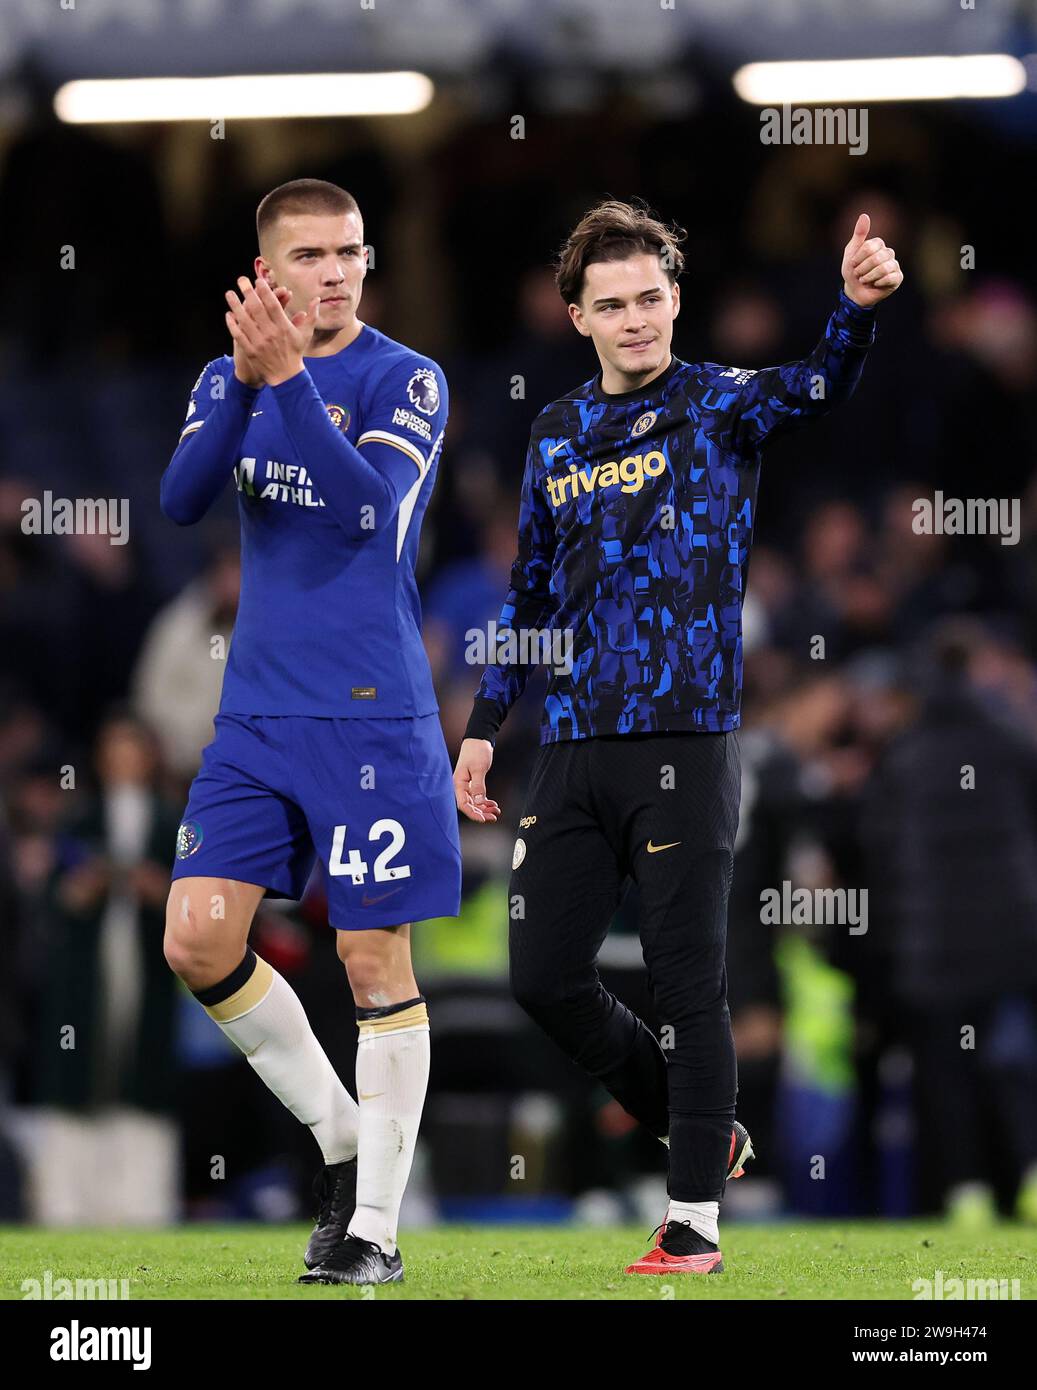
x=10, y=1024
x=769, y=811
x=73, y=609
x=1001, y=671
x=995, y=325
x=922, y=576
x=179, y=672
x=833, y=548
x=748, y=326
x=1020, y=569
x=950, y=830
x=465, y=598
x=109, y=617
x=542, y=352
x=465, y=595
x=107, y=1147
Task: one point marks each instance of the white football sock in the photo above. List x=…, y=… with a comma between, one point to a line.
x=392, y=1067
x=701, y=1217
x=266, y=1020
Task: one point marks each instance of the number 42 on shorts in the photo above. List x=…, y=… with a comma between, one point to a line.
x=356, y=867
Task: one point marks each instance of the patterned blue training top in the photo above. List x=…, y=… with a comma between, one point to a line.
x=635, y=527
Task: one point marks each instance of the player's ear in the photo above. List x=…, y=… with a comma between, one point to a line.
x=676, y=299
x=576, y=314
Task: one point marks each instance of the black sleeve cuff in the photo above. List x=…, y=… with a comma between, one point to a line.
x=860, y=321
x=485, y=720
x=854, y=307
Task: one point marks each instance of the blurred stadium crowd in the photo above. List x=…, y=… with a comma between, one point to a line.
x=855, y=759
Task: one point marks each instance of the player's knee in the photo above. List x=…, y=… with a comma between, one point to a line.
x=532, y=992
x=539, y=993
x=374, y=975
x=180, y=959
x=185, y=941
x=367, y=972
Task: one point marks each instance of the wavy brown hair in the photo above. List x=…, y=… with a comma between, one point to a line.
x=612, y=231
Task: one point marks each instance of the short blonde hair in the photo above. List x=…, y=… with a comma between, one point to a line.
x=301, y=195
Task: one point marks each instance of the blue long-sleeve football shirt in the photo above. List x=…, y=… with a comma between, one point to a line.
x=635, y=526
x=334, y=469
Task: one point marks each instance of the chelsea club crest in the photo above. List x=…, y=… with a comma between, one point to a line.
x=188, y=839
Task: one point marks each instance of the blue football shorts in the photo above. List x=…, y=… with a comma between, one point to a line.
x=373, y=799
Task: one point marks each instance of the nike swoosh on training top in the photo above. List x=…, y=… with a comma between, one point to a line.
x=373, y=1096
x=554, y=451
x=654, y=849
x=254, y=414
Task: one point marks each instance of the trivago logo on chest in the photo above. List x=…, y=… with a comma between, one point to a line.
x=630, y=473
x=280, y=482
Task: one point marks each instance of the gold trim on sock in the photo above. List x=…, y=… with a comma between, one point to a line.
x=252, y=992
x=406, y=1021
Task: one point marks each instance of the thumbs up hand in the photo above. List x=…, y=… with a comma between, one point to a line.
x=870, y=270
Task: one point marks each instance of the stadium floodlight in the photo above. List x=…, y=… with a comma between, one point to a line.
x=881, y=79
x=89, y=101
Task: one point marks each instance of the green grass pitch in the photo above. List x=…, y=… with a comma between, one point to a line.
x=796, y=1260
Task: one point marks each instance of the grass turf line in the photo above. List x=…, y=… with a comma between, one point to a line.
x=795, y=1260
